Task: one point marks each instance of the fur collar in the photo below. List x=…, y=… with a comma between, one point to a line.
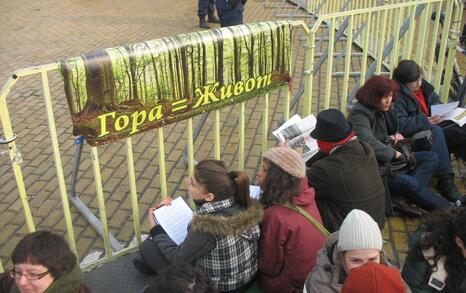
x=233, y=225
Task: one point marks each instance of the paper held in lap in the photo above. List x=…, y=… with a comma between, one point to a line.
x=297, y=132
x=450, y=111
x=174, y=219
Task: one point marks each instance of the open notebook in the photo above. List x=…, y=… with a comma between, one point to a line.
x=174, y=219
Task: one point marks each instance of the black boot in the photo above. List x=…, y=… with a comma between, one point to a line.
x=446, y=187
x=203, y=23
x=212, y=18
x=141, y=266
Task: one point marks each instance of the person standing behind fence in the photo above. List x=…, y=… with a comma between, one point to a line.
x=436, y=258
x=223, y=236
x=230, y=12
x=206, y=8
x=43, y=262
x=348, y=177
x=289, y=241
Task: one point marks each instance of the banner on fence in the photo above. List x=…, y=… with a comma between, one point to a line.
x=118, y=92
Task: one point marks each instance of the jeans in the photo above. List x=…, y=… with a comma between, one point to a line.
x=230, y=12
x=440, y=148
x=205, y=7
x=415, y=184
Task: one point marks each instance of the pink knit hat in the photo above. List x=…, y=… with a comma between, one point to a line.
x=288, y=160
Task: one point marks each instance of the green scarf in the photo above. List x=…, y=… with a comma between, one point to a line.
x=68, y=282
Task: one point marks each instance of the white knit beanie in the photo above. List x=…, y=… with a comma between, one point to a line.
x=359, y=231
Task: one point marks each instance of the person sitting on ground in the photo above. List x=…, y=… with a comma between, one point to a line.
x=358, y=241
x=289, y=241
x=375, y=121
x=348, y=177
x=182, y=278
x=436, y=258
x=223, y=236
x=372, y=277
x=43, y=262
x=414, y=100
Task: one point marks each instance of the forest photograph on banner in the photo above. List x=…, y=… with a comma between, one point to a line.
x=122, y=91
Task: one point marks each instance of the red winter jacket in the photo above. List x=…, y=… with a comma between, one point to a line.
x=289, y=244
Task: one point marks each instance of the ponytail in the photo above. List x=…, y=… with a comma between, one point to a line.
x=223, y=184
x=240, y=188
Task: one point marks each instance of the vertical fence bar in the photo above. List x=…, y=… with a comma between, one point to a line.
x=328, y=79
x=101, y=201
x=14, y=154
x=425, y=16
x=309, y=73
x=379, y=55
x=242, y=126
x=190, y=142
x=133, y=190
x=217, y=135
x=365, y=50
x=349, y=46
x=412, y=27
x=434, y=41
x=396, y=41
x=162, y=166
x=265, y=123
x=58, y=164
x=443, y=45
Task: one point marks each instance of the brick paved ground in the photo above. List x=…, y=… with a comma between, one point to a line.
x=42, y=31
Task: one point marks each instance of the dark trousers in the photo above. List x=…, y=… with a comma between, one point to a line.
x=456, y=138
x=440, y=148
x=230, y=12
x=415, y=184
x=205, y=7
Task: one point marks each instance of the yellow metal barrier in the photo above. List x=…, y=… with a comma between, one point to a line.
x=110, y=252
x=385, y=34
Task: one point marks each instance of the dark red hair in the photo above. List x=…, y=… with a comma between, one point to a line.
x=375, y=89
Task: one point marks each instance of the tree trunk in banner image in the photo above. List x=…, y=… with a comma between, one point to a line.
x=71, y=98
x=279, y=45
x=184, y=69
x=100, y=85
x=219, y=37
x=133, y=69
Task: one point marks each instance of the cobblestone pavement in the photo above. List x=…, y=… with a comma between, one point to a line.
x=43, y=31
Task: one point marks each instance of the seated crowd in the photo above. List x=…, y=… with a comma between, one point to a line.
x=316, y=227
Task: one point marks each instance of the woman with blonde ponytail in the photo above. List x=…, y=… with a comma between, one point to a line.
x=223, y=235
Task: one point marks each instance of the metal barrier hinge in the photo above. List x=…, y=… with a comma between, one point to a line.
x=17, y=157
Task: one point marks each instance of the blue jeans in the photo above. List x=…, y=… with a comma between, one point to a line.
x=440, y=148
x=415, y=184
x=205, y=7
x=229, y=14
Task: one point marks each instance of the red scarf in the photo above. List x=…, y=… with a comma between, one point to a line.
x=422, y=102
x=327, y=146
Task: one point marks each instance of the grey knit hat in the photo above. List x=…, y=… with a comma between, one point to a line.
x=359, y=231
x=288, y=159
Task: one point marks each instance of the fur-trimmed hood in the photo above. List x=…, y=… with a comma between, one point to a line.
x=222, y=224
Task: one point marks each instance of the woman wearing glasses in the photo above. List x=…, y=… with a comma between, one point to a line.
x=43, y=262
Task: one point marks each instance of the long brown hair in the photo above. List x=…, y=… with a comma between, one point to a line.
x=222, y=183
x=279, y=186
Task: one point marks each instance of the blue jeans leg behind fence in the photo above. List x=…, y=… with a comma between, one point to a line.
x=415, y=185
x=205, y=7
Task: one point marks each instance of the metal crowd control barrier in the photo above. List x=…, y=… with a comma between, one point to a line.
x=385, y=34
x=112, y=247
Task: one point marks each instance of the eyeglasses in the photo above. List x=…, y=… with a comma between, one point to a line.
x=18, y=275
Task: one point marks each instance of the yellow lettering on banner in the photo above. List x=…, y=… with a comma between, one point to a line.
x=239, y=88
x=103, y=123
x=226, y=92
x=155, y=113
x=121, y=122
x=138, y=118
x=179, y=105
x=263, y=81
x=250, y=84
x=206, y=95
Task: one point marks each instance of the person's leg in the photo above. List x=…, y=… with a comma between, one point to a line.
x=202, y=10
x=455, y=137
x=152, y=256
x=230, y=12
x=211, y=12
x=444, y=173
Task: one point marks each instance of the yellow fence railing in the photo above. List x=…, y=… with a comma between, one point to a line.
x=101, y=194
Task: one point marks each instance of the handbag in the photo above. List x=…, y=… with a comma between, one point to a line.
x=308, y=216
x=403, y=164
